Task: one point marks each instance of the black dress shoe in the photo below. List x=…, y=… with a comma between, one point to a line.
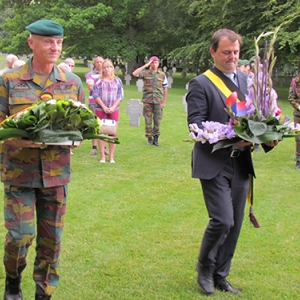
x=224, y=286
x=205, y=279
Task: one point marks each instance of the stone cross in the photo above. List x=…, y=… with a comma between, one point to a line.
x=184, y=102
x=170, y=81
x=140, y=84
x=184, y=98
x=134, y=109
x=127, y=79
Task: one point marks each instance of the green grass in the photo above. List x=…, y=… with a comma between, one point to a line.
x=133, y=229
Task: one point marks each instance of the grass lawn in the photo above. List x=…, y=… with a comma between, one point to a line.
x=133, y=228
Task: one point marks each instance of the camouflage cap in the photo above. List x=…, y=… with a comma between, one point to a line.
x=46, y=28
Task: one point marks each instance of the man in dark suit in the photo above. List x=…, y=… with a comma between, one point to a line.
x=224, y=174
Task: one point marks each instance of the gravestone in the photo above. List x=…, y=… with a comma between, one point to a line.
x=165, y=69
x=117, y=68
x=140, y=84
x=127, y=79
x=174, y=69
x=184, y=98
x=184, y=102
x=134, y=109
x=170, y=81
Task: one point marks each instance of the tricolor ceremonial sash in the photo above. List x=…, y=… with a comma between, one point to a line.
x=237, y=106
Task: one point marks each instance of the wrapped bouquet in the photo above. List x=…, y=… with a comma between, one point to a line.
x=54, y=122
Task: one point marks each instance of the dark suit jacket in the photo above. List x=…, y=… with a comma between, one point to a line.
x=206, y=103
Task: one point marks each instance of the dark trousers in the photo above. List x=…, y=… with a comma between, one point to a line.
x=225, y=198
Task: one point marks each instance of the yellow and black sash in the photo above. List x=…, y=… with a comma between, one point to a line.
x=223, y=83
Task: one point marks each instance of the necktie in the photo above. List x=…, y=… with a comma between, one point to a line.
x=233, y=78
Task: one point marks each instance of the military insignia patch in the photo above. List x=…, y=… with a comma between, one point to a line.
x=63, y=87
x=21, y=86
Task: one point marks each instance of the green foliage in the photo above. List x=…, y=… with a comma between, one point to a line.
x=172, y=29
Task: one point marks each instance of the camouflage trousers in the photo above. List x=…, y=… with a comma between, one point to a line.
x=153, y=112
x=19, y=206
x=297, y=139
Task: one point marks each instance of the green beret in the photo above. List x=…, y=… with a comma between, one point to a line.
x=246, y=62
x=240, y=62
x=46, y=28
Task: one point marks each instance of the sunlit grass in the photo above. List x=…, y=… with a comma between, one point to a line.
x=133, y=229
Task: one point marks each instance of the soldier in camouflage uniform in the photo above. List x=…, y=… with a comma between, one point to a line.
x=294, y=99
x=154, y=97
x=35, y=177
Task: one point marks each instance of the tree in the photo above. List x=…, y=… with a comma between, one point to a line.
x=134, y=29
x=250, y=19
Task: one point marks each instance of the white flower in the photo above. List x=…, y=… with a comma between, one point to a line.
x=52, y=101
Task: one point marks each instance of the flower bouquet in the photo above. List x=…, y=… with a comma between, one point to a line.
x=54, y=122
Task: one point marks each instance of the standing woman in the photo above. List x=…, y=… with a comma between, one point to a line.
x=108, y=93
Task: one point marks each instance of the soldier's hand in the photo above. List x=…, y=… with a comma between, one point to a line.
x=21, y=143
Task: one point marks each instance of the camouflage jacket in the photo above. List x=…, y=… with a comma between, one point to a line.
x=154, y=82
x=294, y=95
x=30, y=167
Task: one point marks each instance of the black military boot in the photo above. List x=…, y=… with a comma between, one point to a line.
x=42, y=297
x=150, y=142
x=13, y=289
x=155, y=141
